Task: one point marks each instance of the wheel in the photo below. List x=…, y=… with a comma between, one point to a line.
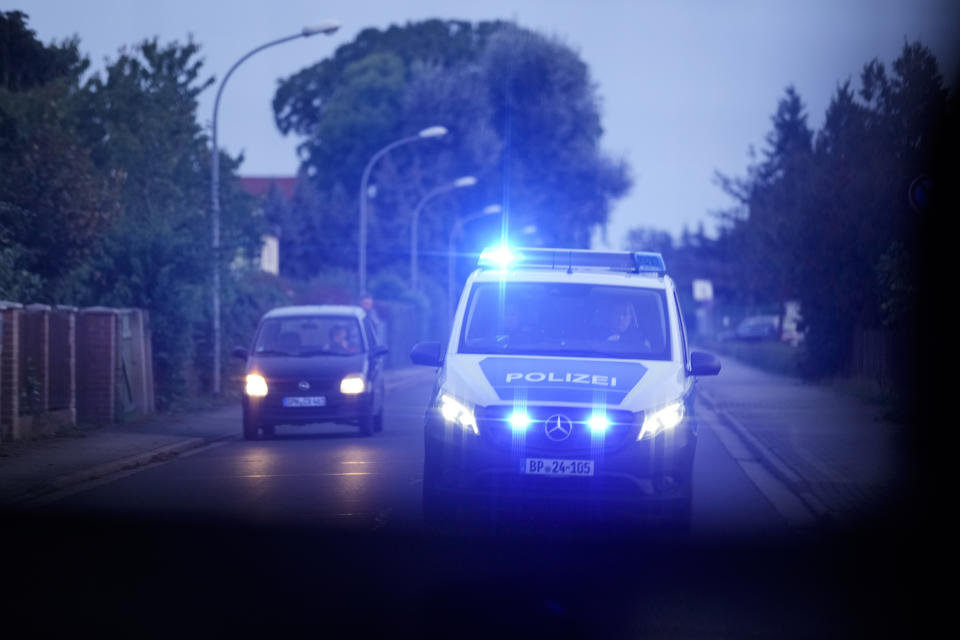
x=268, y=431
x=439, y=510
x=378, y=419
x=677, y=514
x=251, y=430
x=366, y=425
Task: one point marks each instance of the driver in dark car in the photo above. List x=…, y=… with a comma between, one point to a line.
x=338, y=340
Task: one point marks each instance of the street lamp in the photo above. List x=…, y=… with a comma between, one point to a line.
x=459, y=183
x=457, y=228
x=429, y=132
x=326, y=27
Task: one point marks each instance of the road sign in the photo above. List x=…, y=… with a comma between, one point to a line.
x=702, y=290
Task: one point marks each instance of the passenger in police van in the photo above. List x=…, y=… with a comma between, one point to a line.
x=625, y=328
x=515, y=329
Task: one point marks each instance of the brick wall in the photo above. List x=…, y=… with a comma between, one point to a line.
x=9, y=371
x=96, y=365
x=34, y=360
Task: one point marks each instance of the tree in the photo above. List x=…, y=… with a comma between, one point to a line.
x=53, y=202
x=523, y=118
x=140, y=123
x=772, y=197
x=26, y=63
x=830, y=222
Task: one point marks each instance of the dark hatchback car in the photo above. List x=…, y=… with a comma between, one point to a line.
x=312, y=364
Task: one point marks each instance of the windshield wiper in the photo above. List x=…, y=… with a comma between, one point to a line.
x=324, y=352
x=271, y=352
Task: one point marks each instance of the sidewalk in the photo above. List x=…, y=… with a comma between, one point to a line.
x=32, y=469
x=832, y=449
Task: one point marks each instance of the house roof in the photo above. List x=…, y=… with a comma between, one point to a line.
x=260, y=185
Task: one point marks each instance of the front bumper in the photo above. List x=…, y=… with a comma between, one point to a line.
x=339, y=408
x=658, y=469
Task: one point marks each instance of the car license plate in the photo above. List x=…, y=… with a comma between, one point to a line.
x=557, y=467
x=305, y=401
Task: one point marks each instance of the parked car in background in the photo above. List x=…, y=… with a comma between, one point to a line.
x=758, y=328
x=769, y=327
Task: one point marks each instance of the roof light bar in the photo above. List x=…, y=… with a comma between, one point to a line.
x=499, y=258
x=570, y=259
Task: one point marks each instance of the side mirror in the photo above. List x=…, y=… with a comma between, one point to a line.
x=704, y=364
x=379, y=351
x=239, y=352
x=426, y=353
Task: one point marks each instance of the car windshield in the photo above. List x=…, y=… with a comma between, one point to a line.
x=566, y=319
x=306, y=336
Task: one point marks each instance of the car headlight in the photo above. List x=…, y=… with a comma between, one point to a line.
x=458, y=413
x=353, y=384
x=662, y=419
x=256, y=385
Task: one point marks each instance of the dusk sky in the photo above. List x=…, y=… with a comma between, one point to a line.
x=686, y=87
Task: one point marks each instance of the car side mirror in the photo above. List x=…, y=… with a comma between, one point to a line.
x=704, y=364
x=426, y=353
x=239, y=352
x=379, y=351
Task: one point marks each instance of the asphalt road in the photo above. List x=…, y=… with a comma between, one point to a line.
x=320, y=528
x=328, y=477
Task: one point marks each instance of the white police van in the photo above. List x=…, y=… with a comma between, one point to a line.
x=567, y=375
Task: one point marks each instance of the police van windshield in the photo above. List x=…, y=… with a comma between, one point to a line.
x=566, y=319
x=308, y=336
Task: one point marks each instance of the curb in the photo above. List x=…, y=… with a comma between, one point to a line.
x=780, y=469
x=116, y=466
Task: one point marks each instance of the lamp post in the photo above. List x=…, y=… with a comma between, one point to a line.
x=459, y=183
x=326, y=27
x=424, y=134
x=457, y=228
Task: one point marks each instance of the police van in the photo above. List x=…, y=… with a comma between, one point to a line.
x=567, y=375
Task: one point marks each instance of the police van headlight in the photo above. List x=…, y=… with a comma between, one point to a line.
x=662, y=419
x=457, y=412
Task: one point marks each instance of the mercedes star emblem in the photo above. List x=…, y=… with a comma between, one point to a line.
x=558, y=427
x=304, y=385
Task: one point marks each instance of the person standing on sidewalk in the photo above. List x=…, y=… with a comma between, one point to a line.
x=374, y=325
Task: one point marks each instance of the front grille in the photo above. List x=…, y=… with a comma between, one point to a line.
x=290, y=387
x=494, y=425
x=279, y=389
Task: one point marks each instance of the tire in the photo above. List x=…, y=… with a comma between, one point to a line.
x=678, y=513
x=439, y=510
x=251, y=430
x=378, y=422
x=366, y=426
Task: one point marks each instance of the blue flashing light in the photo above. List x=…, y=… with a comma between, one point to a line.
x=598, y=423
x=519, y=420
x=649, y=262
x=498, y=257
x=502, y=257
